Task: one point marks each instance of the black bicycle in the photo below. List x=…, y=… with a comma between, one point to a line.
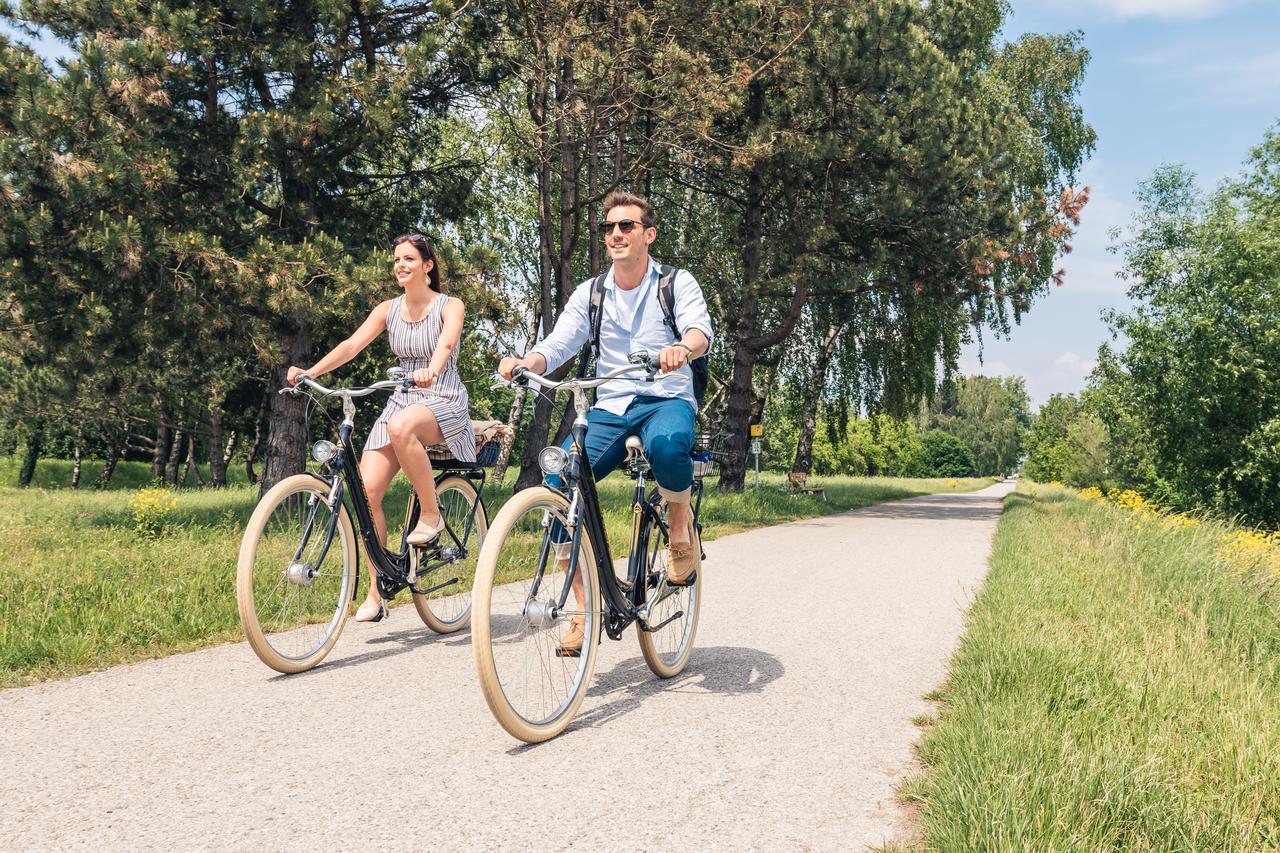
x=298, y=568
x=524, y=596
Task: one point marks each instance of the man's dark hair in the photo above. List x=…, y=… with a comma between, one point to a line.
x=618, y=198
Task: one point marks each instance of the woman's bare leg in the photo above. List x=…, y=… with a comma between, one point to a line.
x=410, y=429
x=377, y=469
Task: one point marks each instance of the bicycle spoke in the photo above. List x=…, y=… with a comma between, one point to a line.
x=448, y=608
x=291, y=610
x=526, y=627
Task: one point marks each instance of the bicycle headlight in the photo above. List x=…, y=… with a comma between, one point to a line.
x=322, y=451
x=552, y=460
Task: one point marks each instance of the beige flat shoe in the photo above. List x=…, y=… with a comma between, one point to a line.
x=423, y=532
x=372, y=611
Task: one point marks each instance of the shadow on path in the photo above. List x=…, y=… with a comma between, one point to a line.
x=951, y=508
x=399, y=642
x=715, y=671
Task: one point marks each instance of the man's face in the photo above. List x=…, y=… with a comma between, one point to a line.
x=633, y=245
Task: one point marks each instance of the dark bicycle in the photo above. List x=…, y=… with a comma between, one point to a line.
x=524, y=596
x=298, y=567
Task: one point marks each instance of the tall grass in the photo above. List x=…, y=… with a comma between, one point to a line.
x=82, y=587
x=1118, y=687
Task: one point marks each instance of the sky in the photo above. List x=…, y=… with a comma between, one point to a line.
x=1195, y=82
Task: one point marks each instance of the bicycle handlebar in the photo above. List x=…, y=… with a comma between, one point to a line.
x=523, y=375
x=308, y=382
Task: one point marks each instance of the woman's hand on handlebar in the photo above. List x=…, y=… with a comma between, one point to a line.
x=294, y=374
x=425, y=377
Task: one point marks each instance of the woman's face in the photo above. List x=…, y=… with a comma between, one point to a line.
x=408, y=265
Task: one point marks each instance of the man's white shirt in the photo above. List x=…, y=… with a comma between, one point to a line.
x=631, y=321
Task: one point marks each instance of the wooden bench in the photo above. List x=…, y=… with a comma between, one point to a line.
x=797, y=480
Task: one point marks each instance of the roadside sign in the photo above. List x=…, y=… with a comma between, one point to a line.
x=757, y=430
x=755, y=446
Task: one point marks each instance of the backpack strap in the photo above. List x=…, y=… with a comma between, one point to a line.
x=667, y=296
x=595, y=313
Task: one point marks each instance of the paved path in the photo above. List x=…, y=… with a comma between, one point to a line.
x=790, y=728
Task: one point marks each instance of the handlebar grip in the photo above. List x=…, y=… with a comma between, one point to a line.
x=519, y=372
x=295, y=387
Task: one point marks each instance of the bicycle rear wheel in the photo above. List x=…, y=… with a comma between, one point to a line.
x=533, y=688
x=673, y=610
x=293, y=586
x=452, y=558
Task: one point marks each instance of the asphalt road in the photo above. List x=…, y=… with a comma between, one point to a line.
x=790, y=728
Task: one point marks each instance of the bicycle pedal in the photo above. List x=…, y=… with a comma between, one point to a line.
x=689, y=581
x=568, y=653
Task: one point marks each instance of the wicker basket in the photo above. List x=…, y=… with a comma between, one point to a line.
x=489, y=438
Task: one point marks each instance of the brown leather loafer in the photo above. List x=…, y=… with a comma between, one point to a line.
x=684, y=560
x=571, y=642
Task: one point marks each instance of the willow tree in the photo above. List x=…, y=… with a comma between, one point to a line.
x=888, y=152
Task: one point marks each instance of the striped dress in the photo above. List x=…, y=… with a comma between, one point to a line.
x=413, y=343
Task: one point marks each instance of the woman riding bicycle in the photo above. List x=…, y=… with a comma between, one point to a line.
x=424, y=326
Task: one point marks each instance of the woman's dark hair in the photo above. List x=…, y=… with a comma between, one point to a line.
x=423, y=245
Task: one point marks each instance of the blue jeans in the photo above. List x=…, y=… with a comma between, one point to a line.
x=666, y=428
x=664, y=425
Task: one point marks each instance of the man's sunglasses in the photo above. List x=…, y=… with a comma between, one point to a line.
x=624, y=225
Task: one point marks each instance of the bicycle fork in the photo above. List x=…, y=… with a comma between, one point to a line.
x=301, y=572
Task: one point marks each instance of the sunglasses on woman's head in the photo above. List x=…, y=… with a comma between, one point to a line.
x=624, y=225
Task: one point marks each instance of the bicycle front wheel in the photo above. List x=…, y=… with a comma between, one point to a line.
x=672, y=610
x=446, y=569
x=531, y=677
x=294, y=582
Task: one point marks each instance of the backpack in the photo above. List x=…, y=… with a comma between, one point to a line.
x=667, y=299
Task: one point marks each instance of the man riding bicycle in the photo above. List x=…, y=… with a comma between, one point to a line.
x=630, y=318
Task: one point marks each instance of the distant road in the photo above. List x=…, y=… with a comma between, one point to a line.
x=790, y=728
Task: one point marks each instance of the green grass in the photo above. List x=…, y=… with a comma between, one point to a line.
x=56, y=474
x=81, y=590
x=1117, y=687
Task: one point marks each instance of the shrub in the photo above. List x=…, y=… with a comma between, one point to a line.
x=943, y=455
x=152, y=510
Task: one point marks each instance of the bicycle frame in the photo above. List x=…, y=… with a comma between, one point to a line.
x=623, y=601
x=392, y=567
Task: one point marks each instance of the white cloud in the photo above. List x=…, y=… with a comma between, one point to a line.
x=1238, y=75
x=1072, y=364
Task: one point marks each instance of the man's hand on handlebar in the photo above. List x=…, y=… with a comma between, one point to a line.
x=672, y=358
x=295, y=373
